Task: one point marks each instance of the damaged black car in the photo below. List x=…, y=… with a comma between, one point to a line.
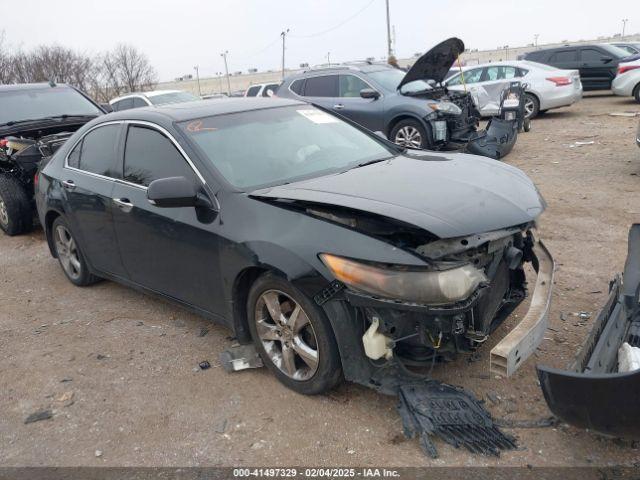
x=412, y=109
x=35, y=120
x=337, y=253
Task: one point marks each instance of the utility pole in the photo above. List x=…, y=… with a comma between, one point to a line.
x=506, y=49
x=196, y=68
x=284, y=36
x=389, y=49
x=329, y=58
x=219, y=75
x=226, y=69
x=535, y=37
x=624, y=26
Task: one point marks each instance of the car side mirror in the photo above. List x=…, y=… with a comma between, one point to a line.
x=606, y=59
x=174, y=192
x=369, y=93
x=107, y=107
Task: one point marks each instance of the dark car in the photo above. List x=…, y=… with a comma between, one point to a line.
x=301, y=231
x=597, y=63
x=35, y=119
x=410, y=108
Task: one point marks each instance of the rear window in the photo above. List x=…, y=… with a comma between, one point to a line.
x=173, y=97
x=97, y=151
x=297, y=86
x=16, y=105
x=253, y=91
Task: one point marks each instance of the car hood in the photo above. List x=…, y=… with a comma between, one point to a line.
x=448, y=195
x=436, y=63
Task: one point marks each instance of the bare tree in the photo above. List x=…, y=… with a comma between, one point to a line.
x=5, y=66
x=133, y=69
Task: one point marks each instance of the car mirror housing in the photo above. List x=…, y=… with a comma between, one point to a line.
x=173, y=192
x=369, y=93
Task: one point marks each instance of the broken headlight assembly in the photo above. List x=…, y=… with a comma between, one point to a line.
x=431, y=287
x=446, y=107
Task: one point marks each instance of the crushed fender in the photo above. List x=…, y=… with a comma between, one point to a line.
x=433, y=408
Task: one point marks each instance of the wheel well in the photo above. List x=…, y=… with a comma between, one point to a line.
x=241, y=288
x=527, y=92
x=49, y=218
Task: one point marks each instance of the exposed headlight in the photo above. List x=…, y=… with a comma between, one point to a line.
x=446, y=107
x=428, y=287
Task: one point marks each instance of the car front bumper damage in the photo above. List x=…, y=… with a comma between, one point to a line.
x=592, y=393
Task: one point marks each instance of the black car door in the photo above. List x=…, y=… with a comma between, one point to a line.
x=88, y=180
x=368, y=112
x=597, y=68
x=169, y=250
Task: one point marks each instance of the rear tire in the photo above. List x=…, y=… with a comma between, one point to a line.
x=410, y=133
x=531, y=106
x=16, y=216
x=293, y=336
x=637, y=93
x=70, y=256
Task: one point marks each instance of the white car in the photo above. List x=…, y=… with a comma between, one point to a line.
x=154, y=98
x=547, y=87
x=262, y=90
x=627, y=81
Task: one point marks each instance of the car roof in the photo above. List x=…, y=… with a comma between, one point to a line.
x=32, y=86
x=149, y=94
x=179, y=112
x=365, y=67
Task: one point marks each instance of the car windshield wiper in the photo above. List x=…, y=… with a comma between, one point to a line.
x=52, y=117
x=377, y=160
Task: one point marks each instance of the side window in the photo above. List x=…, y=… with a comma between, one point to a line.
x=98, y=151
x=521, y=72
x=591, y=55
x=138, y=103
x=509, y=72
x=297, y=86
x=493, y=73
x=564, y=56
x=73, y=160
x=270, y=90
x=149, y=155
x=124, y=104
x=350, y=86
x=324, y=86
x=473, y=76
x=253, y=91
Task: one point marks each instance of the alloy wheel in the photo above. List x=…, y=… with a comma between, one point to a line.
x=4, y=215
x=68, y=252
x=408, y=136
x=287, y=335
x=529, y=106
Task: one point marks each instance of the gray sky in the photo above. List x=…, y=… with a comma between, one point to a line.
x=176, y=35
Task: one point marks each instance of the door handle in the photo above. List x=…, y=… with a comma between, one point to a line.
x=69, y=184
x=123, y=204
x=338, y=106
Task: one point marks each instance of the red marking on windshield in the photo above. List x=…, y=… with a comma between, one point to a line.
x=196, y=126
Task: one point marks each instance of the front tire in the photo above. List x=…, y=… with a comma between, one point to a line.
x=16, y=216
x=293, y=336
x=70, y=256
x=531, y=106
x=637, y=93
x=409, y=133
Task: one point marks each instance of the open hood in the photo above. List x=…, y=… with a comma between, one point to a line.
x=448, y=195
x=435, y=64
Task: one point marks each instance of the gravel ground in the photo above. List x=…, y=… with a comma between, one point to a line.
x=118, y=369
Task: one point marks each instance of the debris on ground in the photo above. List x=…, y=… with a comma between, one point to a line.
x=98, y=453
x=66, y=399
x=240, y=357
x=39, y=415
x=581, y=144
x=536, y=423
x=624, y=114
x=433, y=408
x=203, y=331
x=220, y=426
x=204, y=365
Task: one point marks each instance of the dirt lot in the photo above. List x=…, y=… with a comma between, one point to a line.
x=119, y=369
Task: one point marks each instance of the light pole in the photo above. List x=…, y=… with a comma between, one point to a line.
x=506, y=49
x=226, y=69
x=196, y=68
x=624, y=26
x=535, y=39
x=329, y=58
x=283, y=35
x=389, y=49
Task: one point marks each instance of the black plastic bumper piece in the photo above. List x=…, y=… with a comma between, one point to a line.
x=592, y=394
x=497, y=140
x=434, y=408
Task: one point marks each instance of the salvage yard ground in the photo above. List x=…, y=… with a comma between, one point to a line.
x=119, y=370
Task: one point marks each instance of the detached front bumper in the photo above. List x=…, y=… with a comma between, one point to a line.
x=592, y=393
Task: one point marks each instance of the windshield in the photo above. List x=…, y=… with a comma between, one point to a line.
x=16, y=105
x=391, y=78
x=173, y=97
x=279, y=145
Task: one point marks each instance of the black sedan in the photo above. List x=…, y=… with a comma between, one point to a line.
x=334, y=251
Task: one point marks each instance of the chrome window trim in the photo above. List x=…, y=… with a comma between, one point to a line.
x=131, y=122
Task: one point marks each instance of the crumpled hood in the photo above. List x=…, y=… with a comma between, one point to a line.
x=436, y=63
x=451, y=195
